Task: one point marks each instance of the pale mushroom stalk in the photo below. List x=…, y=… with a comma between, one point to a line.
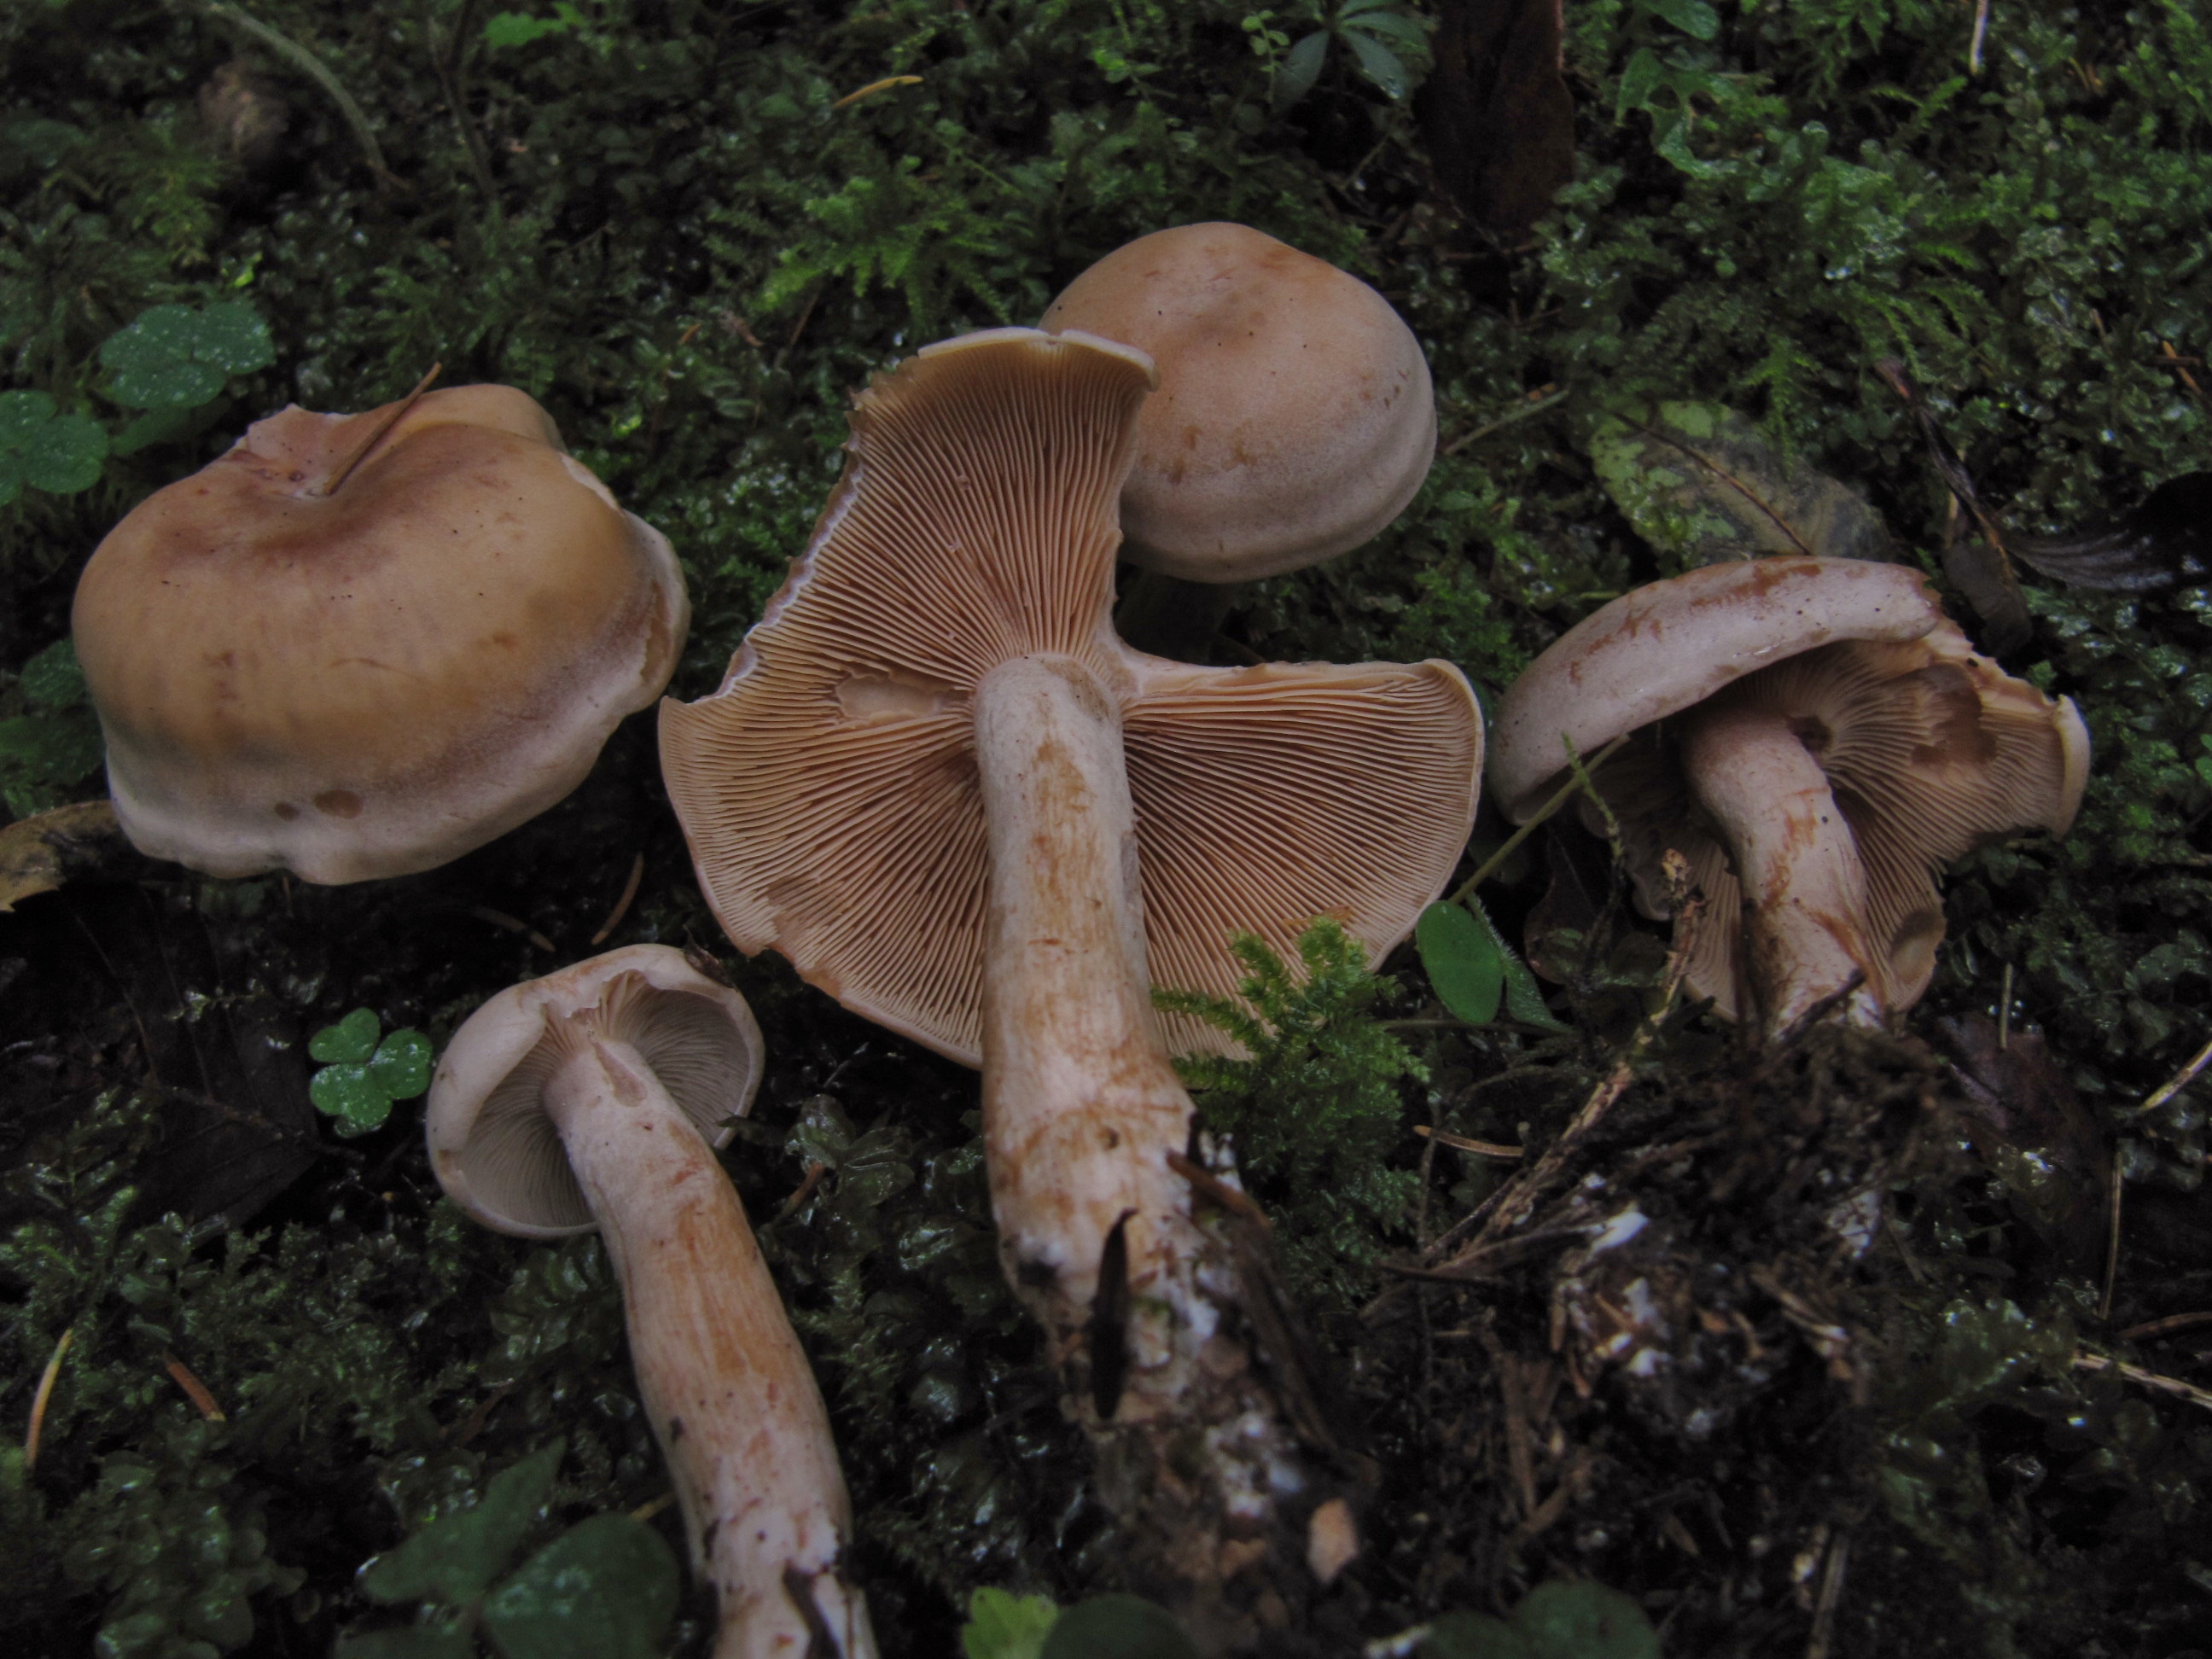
x=725, y=1383
x=1804, y=884
x=1081, y=1106
x=594, y=1099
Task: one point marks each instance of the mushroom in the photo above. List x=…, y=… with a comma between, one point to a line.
x=936, y=782
x=1294, y=417
x=1817, y=739
x=361, y=646
x=593, y=1098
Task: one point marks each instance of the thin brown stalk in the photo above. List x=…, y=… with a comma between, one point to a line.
x=383, y=428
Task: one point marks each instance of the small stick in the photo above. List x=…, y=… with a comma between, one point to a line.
x=1520, y=413
x=646, y=1510
x=621, y=904
x=513, y=924
x=2173, y=1385
x=804, y=1191
x=1831, y=1592
x=2161, y=1326
x=316, y=70
x=2180, y=1080
x=1460, y=1143
x=2112, y=1241
x=194, y=1390
x=2004, y=1009
x=1981, y=33
x=875, y=86
x=39, y=1400
x=1233, y=1199
x=1566, y=793
x=383, y=427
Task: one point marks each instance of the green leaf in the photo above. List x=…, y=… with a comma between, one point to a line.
x=516, y=28
x=1693, y=17
x=52, y=677
x=1581, y=1619
x=1117, y=1627
x=1396, y=25
x=176, y=357
x=1642, y=77
x=1462, y=959
x=607, y=1588
x=1472, y=1635
x=1003, y=1625
x=408, y=1642
x=1300, y=67
x=43, y=755
x=58, y=453
x=1702, y=484
x=1524, y=998
x=352, y=1040
x=402, y=1066
x=1380, y=64
x=454, y=1561
x=349, y=1094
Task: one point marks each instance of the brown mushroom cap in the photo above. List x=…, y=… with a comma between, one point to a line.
x=374, y=681
x=828, y=789
x=1929, y=750
x=1294, y=417
x=493, y=1148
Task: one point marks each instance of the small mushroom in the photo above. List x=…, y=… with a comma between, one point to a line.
x=1294, y=417
x=1817, y=740
x=936, y=782
x=593, y=1098
x=361, y=646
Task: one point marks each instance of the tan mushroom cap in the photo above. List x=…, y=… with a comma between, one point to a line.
x=376, y=681
x=1929, y=749
x=1295, y=415
x=828, y=789
x=493, y=1148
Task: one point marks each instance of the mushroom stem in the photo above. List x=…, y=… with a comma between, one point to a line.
x=725, y=1385
x=1804, y=886
x=1081, y=1106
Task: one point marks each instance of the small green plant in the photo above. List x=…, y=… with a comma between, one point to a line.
x=1388, y=41
x=1563, y=1618
x=46, y=449
x=605, y=1588
x=360, y=1077
x=518, y=28
x=176, y=357
x=1472, y=969
x=54, y=744
x=1002, y=1625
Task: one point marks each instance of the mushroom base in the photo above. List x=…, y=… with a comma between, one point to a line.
x=1205, y=1451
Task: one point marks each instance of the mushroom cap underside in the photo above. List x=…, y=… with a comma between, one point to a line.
x=373, y=682
x=1669, y=645
x=1931, y=750
x=1295, y=415
x=828, y=789
x=496, y=1152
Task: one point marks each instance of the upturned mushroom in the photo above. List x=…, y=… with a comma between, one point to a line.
x=361, y=646
x=1294, y=417
x=593, y=1098
x=1818, y=740
x=936, y=782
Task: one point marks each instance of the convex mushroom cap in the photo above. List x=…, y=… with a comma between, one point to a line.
x=593, y=1098
x=829, y=789
x=372, y=679
x=1817, y=739
x=1295, y=415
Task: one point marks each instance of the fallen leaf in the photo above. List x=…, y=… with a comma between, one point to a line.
x=39, y=853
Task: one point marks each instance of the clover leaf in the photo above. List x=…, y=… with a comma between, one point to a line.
x=361, y=1077
x=180, y=357
x=58, y=453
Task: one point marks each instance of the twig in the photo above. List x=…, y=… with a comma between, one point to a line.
x=2173, y=1385
x=1460, y=1143
x=448, y=65
x=383, y=431
x=2162, y=1327
x=1565, y=793
x=313, y=68
x=194, y=1390
x=2005, y=1011
x=874, y=86
x=513, y=925
x=2180, y=1080
x=39, y=1400
x=804, y=1191
x=1521, y=412
x=2112, y=1239
x=1831, y=1592
x=1981, y=33
x=621, y=904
